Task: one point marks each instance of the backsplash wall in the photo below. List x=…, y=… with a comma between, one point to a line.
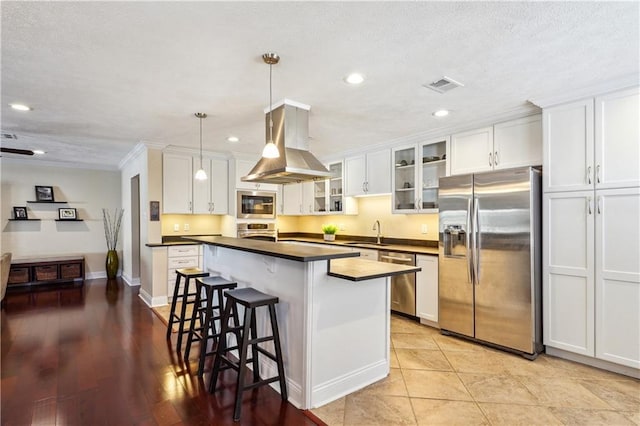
x=370, y=209
x=198, y=224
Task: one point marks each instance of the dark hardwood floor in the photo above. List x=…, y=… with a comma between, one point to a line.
x=97, y=355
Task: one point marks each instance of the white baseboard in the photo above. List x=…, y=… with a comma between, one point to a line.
x=152, y=302
x=340, y=386
x=95, y=275
x=593, y=362
x=131, y=282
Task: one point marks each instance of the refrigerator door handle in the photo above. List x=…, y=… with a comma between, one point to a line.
x=476, y=250
x=468, y=242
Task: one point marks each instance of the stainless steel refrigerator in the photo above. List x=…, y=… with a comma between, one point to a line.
x=489, y=263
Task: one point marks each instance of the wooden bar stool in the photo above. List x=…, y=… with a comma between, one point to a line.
x=187, y=274
x=250, y=299
x=207, y=310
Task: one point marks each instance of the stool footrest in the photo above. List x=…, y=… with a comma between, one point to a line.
x=267, y=354
x=260, y=340
x=261, y=383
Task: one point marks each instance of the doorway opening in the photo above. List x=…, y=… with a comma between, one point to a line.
x=135, y=229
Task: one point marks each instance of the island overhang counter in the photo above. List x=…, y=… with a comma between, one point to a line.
x=333, y=312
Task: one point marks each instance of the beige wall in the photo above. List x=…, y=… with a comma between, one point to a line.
x=370, y=209
x=88, y=191
x=198, y=224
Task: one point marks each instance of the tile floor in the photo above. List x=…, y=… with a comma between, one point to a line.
x=438, y=379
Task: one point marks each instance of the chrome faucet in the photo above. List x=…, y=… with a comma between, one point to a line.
x=376, y=227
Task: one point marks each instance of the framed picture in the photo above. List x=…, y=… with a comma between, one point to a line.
x=20, y=213
x=154, y=208
x=44, y=193
x=67, y=214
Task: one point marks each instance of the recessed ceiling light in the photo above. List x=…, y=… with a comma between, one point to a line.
x=20, y=107
x=232, y=139
x=441, y=113
x=354, y=78
x=38, y=152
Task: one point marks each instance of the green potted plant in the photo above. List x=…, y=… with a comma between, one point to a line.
x=329, y=231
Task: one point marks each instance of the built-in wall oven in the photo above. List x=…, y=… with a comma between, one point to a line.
x=403, y=287
x=256, y=205
x=258, y=231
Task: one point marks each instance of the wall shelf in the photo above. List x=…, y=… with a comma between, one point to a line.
x=22, y=220
x=48, y=202
x=69, y=220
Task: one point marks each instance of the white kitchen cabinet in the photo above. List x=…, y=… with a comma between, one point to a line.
x=472, y=151
x=178, y=257
x=177, y=181
x=368, y=254
x=242, y=168
x=502, y=146
x=297, y=198
x=211, y=196
x=587, y=147
x=427, y=289
x=368, y=174
x=417, y=170
x=617, y=276
x=568, y=271
x=591, y=273
x=518, y=143
x=617, y=140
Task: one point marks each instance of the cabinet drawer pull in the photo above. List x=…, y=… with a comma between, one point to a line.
x=490, y=159
x=495, y=158
x=589, y=205
x=598, y=173
x=589, y=175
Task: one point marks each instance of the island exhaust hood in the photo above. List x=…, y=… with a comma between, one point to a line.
x=291, y=136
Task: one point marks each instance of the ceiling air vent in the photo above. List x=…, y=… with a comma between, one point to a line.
x=9, y=136
x=443, y=85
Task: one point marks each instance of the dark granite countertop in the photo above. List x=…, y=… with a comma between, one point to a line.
x=284, y=251
x=178, y=240
x=356, y=269
x=404, y=248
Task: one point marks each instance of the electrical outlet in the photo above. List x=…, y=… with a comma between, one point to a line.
x=176, y=227
x=341, y=226
x=423, y=228
x=186, y=227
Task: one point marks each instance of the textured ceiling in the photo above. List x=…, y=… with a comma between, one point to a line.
x=103, y=76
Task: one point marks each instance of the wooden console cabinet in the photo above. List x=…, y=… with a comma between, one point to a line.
x=46, y=270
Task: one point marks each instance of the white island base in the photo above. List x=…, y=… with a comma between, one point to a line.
x=334, y=332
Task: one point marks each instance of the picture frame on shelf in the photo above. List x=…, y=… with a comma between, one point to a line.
x=44, y=193
x=20, y=213
x=67, y=214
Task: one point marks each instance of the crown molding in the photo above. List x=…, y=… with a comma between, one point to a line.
x=60, y=164
x=624, y=82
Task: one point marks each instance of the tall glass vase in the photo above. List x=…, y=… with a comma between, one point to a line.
x=112, y=264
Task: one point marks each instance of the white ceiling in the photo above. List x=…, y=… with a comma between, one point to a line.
x=104, y=76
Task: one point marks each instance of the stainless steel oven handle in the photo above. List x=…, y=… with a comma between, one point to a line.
x=396, y=259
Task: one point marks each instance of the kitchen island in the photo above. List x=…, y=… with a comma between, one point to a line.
x=333, y=314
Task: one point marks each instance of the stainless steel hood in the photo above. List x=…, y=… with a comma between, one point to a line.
x=291, y=136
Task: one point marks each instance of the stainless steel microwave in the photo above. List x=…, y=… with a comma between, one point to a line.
x=256, y=205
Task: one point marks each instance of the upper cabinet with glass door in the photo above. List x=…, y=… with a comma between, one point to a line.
x=417, y=170
x=328, y=193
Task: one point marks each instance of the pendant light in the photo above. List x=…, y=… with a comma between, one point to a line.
x=270, y=149
x=201, y=174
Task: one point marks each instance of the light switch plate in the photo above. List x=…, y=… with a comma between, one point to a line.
x=176, y=227
x=186, y=227
x=423, y=228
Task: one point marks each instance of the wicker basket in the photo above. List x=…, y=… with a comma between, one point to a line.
x=70, y=270
x=48, y=272
x=18, y=275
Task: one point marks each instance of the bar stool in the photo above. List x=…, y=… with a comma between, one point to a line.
x=187, y=274
x=251, y=299
x=207, y=313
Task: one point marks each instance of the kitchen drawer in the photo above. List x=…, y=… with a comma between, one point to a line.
x=174, y=251
x=182, y=262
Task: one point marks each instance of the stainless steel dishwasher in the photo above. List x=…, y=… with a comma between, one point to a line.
x=403, y=287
